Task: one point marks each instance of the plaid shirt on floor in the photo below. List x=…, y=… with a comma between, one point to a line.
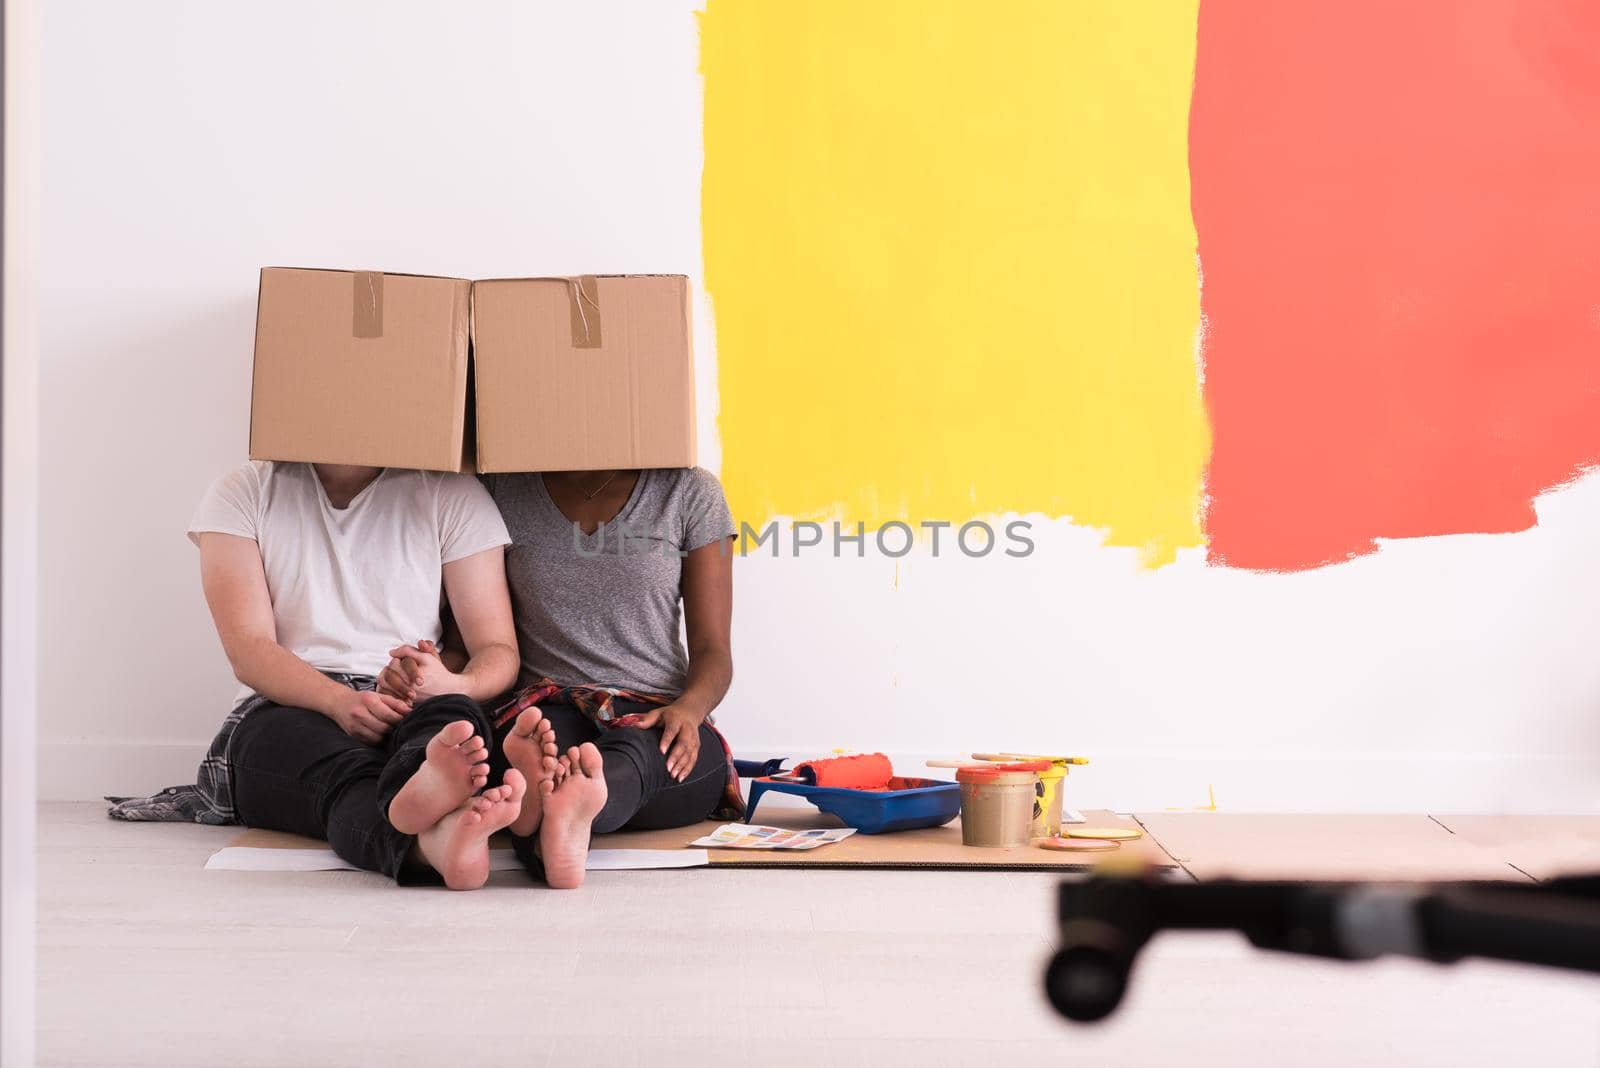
x=210, y=798
x=596, y=702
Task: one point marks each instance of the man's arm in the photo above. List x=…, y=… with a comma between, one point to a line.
x=236, y=590
x=480, y=605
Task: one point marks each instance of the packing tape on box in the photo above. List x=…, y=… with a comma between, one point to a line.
x=584, y=290
x=366, y=304
x=583, y=301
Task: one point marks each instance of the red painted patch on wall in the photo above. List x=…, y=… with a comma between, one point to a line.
x=1398, y=209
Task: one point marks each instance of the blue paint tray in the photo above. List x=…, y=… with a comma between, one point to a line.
x=906, y=805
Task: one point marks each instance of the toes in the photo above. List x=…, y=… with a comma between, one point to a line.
x=547, y=787
x=454, y=733
x=589, y=760
x=475, y=742
x=529, y=721
x=514, y=785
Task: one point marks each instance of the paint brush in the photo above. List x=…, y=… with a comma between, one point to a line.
x=1030, y=756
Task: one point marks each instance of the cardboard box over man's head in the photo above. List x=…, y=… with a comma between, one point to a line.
x=358, y=367
x=572, y=374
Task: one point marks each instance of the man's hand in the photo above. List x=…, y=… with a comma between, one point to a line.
x=415, y=673
x=680, y=736
x=366, y=716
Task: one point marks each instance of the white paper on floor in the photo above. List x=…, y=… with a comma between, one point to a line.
x=250, y=858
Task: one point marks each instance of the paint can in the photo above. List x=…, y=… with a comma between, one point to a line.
x=998, y=802
x=1047, y=813
x=1047, y=821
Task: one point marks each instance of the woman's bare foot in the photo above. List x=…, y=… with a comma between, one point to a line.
x=531, y=749
x=569, y=809
x=457, y=846
x=455, y=769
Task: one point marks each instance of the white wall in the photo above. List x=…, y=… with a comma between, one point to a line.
x=19, y=536
x=187, y=144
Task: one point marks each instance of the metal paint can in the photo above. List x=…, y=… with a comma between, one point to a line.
x=998, y=802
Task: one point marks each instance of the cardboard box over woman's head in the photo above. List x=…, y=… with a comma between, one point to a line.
x=585, y=373
x=368, y=368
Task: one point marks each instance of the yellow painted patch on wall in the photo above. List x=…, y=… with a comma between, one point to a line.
x=952, y=264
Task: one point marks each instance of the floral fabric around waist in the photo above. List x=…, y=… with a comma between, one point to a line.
x=599, y=704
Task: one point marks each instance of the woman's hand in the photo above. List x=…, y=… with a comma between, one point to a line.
x=364, y=715
x=680, y=735
x=416, y=673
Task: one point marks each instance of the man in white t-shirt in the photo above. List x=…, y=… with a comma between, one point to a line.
x=315, y=576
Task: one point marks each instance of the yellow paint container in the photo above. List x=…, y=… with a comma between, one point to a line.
x=1047, y=820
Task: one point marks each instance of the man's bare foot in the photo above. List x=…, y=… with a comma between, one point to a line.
x=531, y=749
x=457, y=846
x=455, y=769
x=569, y=809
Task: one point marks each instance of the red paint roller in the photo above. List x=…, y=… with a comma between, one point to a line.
x=862, y=771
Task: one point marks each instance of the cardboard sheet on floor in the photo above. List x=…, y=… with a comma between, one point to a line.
x=934, y=848
x=256, y=850
x=1215, y=845
x=1542, y=846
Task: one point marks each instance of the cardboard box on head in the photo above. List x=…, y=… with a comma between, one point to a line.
x=361, y=367
x=584, y=373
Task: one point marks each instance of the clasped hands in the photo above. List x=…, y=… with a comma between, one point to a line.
x=414, y=673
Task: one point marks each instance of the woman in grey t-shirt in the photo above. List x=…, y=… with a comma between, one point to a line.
x=612, y=719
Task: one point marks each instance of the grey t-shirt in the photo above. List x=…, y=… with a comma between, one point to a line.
x=603, y=609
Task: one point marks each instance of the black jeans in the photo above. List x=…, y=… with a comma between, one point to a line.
x=640, y=795
x=295, y=770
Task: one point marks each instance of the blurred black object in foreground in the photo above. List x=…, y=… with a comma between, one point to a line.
x=1108, y=919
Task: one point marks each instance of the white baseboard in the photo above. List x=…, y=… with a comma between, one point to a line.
x=1125, y=781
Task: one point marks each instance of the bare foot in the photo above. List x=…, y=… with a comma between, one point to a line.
x=569, y=809
x=457, y=846
x=455, y=769
x=531, y=749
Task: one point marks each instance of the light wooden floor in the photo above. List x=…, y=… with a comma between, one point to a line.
x=146, y=959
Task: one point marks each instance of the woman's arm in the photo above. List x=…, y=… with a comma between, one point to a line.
x=236, y=590
x=480, y=604
x=707, y=587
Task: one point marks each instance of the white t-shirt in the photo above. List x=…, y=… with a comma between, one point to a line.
x=349, y=584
